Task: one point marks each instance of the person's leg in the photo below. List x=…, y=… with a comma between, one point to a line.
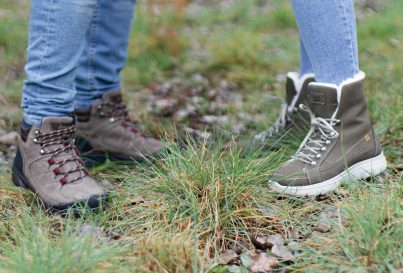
x=328, y=32
x=305, y=66
x=56, y=40
x=105, y=52
x=103, y=128
x=47, y=160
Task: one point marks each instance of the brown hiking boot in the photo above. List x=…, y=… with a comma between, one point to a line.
x=291, y=124
x=48, y=163
x=340, y=145
x=105, y=132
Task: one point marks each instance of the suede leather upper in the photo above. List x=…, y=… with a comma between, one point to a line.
x=115, y=135
x=41, y=176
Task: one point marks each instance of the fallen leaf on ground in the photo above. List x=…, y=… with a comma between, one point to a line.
x=228, y=257
x=282, y=252
x=276, y=239
x=323, y=227
x=92, y=231
x=260, y=242
x=260, y=263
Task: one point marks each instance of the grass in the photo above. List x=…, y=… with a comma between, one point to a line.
x=180, y=213
x=369, y=242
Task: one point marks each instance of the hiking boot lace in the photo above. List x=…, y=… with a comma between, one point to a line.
x=280, y=123
x=65, y=141
x=318, y=138
x=117, y=111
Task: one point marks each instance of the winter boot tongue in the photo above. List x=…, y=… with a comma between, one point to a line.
x=322, y=100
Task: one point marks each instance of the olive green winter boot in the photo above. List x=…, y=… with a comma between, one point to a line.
x=341, y=144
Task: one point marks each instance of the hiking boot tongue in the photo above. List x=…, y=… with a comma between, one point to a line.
x=55, y=123
x=58, y=123
x=50, y=124
x=112, y=96
x=322, y=99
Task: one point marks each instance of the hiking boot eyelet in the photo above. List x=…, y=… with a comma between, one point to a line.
x=332, y=134
x=112, y=120
x=51, y=161
x=327, y=142
x=36, y=132
x=63, y=181
x=323, y=149
x=313, y=163
x=42, y=152
x=318, y=156
x=35, y=140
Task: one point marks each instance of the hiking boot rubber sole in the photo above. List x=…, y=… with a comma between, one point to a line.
x=361, y=170
x=94, y=203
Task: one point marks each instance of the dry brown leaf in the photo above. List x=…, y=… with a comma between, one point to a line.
x=228, y=257
x=261, y=263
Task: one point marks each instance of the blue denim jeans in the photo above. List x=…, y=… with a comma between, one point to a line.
x=328, y=39
x=76, y=50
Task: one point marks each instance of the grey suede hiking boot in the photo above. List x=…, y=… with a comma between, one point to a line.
x=105, y=132
x=291, y=124
x=340, y=145
x=48, y=163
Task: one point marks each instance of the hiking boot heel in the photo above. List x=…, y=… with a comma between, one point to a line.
x=17, y=176
x=18, y=179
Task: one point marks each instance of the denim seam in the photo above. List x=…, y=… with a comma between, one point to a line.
x=91, y=51
x=45, y=51
x=342, y=6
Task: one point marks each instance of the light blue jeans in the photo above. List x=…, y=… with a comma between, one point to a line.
x=77, y=49
x=328, y=39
